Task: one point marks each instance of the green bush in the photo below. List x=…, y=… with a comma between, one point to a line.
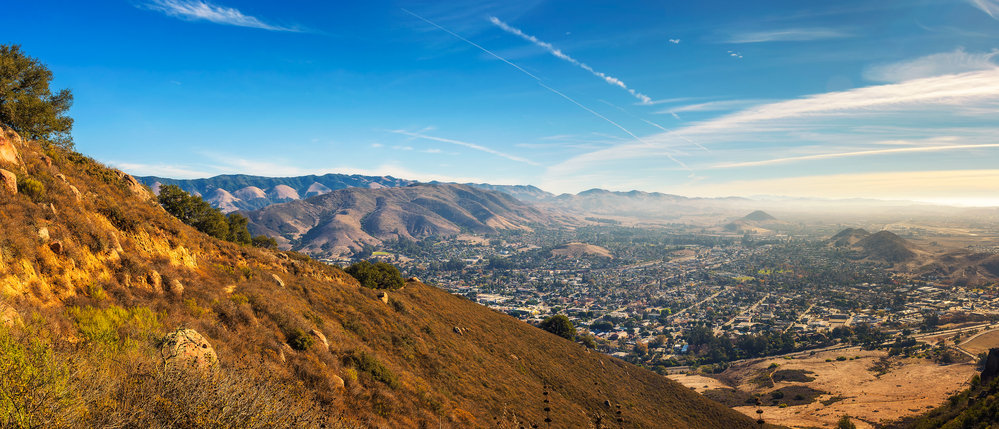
x=371, y=365
x=104, y=326
x=379, y=275
x=31, y=188
x=299, y=340
x=559, y=325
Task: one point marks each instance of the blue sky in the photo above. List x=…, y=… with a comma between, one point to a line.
x=893, y=99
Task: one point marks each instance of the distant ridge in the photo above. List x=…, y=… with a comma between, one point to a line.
x=343, y=220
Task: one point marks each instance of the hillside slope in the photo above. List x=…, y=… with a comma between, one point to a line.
x=95, y=275
x=342, y=221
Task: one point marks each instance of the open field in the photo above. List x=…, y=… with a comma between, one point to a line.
x=910, y=387
x=982, y=343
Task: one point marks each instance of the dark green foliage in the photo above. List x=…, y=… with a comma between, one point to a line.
x=371, y=365
x=845, y=423
x=559, y=325
x=264, y=241
x=379, y=275
x=196, y=212
x=32, y=188
x=28, y=105
x=299, y=340
x=238, y=233
x=116, y=216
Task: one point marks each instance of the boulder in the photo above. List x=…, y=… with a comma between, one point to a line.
x=76, y=192
x=56, y=247
x=9, y=316
x=134, y=186
x=46, y=160
x=320, y=338
x=383, y=296
x=176, y=287
x=336, y=382
x=413, y=279
x=8, y=181
x=8, y=152
x=43, y=234
x=61, y=176
x=458, y=330
x=155, y=282
x=187, y=347
x=278, y=280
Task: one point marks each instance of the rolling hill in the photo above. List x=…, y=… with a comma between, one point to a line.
x=341, y=221
x=757, y=222
x=99, y=282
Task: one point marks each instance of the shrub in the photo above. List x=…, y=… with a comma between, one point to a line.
x=379, y=275
x=103, y=326
x=264, y=241
x=299, y=340
x=371, y=365
x=841, y=358
x=31, y=188
x=559, y=325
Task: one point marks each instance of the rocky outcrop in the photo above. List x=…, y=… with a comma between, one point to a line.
x=186, y=347
x=991, y=368
x=336, y=382
x=155, y=282
x=8, y=150
x=43, y=234
x=277, y=280
x=56, y=247
x=320, y=338
x=8, y=181
x=176, y=287
x=9, y=316
x=383, y=296
x=134, y=186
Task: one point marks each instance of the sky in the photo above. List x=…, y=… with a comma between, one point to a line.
x=848, y=99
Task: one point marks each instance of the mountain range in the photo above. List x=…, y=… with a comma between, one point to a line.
x=341, y=221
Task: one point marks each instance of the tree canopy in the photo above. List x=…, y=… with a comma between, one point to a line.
x=559, y=325
x=194, y=211
x=379, y=275
x=27, y=105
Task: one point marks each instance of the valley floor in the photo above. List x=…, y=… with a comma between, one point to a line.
x=910, y=387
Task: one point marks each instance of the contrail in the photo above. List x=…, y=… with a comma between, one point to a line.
x=558, y=53
x=470, y=43
x=657, y=126
x=616, y=125
x=550, y=89
x=469, y=145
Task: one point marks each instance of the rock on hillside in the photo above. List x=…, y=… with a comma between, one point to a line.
x=341, y=221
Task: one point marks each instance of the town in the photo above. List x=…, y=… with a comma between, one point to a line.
x=667, y=297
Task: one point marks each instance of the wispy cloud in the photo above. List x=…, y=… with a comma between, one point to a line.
x=548, y=88
x=558, y=53
x=468, y=145
x=857, y=153
x=960, y=92
x=788, y=35
x=990, y=7
x=196, y=10
x=674, y=40
x=161, y=170
x=944, y=63
x=714, y=106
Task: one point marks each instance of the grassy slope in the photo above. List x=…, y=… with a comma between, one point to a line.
x=435, y=376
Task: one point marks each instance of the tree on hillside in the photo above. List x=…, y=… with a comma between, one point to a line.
x=194, y=211
x=379, y=275
x=28, y=105
x=845, y=423
x=559, y=325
